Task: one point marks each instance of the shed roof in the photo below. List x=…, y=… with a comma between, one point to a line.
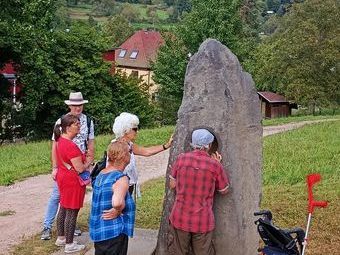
x=140, y=49
x=272, y=97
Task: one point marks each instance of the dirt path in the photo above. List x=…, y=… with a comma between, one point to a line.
x=28, y=198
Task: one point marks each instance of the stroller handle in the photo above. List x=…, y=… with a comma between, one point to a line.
x=266, y=213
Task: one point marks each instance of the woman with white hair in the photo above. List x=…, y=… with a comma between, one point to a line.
x=125, y=128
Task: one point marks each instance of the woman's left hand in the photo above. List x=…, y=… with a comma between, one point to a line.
x=110, y=214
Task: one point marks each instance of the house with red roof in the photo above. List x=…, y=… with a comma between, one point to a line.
x=9, y=73
x=274, y=105
x=135, y=55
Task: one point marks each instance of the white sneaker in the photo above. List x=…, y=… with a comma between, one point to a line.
x=60, y=242
x=74, y=247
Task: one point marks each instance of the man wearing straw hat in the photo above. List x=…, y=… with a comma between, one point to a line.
x=85, y=141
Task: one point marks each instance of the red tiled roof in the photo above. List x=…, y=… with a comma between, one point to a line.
x=8, y=69
x=146, y=43
x=272, y=97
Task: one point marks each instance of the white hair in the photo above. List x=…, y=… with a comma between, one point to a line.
x=124, y=123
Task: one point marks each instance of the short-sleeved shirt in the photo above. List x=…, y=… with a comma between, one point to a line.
x=101, y=229
x=71, y=192
x=197, y=177
x=81, y=138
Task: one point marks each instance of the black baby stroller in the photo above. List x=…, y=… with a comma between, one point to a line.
x=278, y=241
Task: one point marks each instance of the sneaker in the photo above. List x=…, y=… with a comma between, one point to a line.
x=73, y=247
x=46, y=234
x=77, y=232
x=60, y=242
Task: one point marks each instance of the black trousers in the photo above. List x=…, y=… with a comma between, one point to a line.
x=113, y=246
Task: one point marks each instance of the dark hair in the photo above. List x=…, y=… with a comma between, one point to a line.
x=66, y=121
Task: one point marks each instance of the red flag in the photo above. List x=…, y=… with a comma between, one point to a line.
x=311, y=180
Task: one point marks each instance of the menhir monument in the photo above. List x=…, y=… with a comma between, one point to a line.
x=221, y=97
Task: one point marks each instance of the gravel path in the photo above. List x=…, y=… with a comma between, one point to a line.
x=28, y=198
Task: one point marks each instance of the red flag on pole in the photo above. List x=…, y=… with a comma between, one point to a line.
x=312, y=179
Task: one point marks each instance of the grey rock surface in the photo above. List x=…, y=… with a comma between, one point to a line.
x=220, y=96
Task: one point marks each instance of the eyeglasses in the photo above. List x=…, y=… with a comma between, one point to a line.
x=135, y=129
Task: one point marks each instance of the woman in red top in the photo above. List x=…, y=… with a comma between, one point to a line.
x=71, y=162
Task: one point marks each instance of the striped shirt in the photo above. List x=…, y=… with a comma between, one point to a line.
x=100, y=229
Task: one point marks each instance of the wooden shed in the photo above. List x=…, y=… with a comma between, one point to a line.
x=274, y=105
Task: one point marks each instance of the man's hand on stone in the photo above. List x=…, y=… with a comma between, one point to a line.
x=217, y=156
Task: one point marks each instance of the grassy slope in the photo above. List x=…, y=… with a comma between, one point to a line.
x=83, y=12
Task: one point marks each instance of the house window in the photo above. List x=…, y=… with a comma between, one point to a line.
x=134, y=74
x=134, y=54
x=122, y=53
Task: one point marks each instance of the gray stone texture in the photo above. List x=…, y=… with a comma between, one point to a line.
x=220, y=96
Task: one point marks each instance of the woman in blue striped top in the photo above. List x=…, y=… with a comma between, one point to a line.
x=110, y=193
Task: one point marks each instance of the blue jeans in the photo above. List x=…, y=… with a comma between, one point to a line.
x=52, y=207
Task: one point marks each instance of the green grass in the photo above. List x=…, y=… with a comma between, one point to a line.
x=279, y=121
x=149, y=206
x=314, y=148
x=19, y=161
x=288, y=157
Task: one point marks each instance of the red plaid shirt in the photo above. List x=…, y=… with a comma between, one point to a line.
x=197, y=177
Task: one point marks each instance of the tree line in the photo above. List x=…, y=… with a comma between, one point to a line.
x=294, y=52
x=289, y=47
x=53, y=56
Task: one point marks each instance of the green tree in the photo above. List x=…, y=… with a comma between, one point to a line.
x=169, y=71
x=130, y=12
x=103, y=7
x=116, y=30
x=131, y=95
x=301, y=59
x=221, y=20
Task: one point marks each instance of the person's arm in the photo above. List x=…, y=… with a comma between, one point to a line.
x=90, y=144
x=172, y=182
x=54, y=160
x=78, y=164
x=224, y=190
x=90, y=151
x=120, y=188
x=173, y=175
x=152, y=150
x=222, y=180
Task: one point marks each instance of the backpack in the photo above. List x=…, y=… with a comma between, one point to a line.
x=100, y=165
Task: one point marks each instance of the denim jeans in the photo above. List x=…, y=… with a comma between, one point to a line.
x=52, y=207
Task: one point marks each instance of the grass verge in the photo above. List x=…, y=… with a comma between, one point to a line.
x=280, y=121
x=19, y=161
x=288, y=157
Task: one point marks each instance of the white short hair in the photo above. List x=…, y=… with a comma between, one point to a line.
x=124, y=123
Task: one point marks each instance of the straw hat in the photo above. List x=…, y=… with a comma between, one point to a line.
x=76, y=98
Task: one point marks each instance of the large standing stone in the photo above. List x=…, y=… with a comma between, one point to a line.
x=220, y=96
